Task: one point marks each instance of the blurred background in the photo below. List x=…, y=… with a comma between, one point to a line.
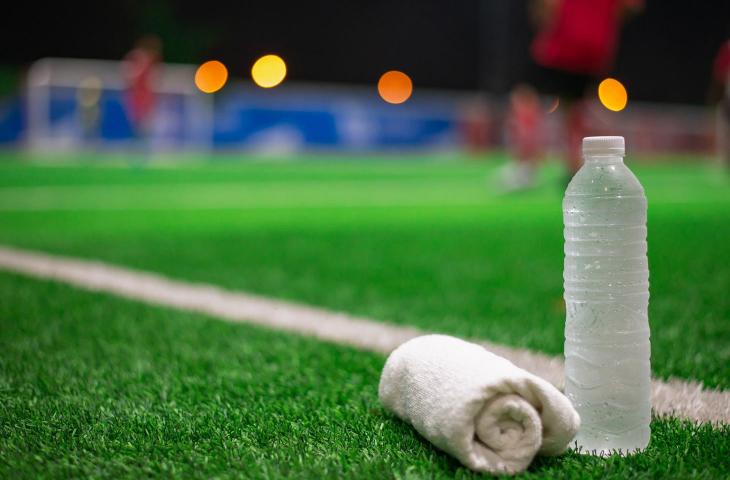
x=403, y=161
x=167, y=76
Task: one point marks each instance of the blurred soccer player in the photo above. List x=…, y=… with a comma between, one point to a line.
x=575, y=44
x=720, y=95
x=88, y=104
x=524, y=136
x=140, y=68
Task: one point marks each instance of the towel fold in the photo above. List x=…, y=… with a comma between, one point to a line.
x=479, y=407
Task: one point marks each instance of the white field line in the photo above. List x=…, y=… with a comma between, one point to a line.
x=684, y=399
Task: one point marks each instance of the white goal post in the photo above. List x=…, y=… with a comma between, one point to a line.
x=54, y=108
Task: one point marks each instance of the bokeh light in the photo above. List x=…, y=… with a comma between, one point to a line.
x=395, y=87
x=612, y=94
x=268, y=71
x=211, y=76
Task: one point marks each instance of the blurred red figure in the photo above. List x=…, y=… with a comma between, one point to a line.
x=140, y=69
x=575, y=44
x=720, y=95
x=525, y=136
x=579, y=36
x=475, y=125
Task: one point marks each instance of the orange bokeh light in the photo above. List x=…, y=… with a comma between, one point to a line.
x=211, y=76
x=612, y=94
x=395, y=87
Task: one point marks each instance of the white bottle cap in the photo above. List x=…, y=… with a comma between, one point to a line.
x=603, y=146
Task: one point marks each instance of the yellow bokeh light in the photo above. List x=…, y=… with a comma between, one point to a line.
x=612, y=94
x=268, y=71
x=211, y=76
x=395, y=87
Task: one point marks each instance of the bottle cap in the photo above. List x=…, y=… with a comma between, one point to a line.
x=603, y=146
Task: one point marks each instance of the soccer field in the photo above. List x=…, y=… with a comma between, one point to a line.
x=96, y=385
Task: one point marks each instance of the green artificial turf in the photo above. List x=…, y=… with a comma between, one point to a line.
x=426, y=243
x=96, y=386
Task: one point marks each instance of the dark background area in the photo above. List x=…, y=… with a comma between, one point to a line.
x=665, y=54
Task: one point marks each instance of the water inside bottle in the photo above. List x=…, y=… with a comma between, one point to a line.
x=606, y=278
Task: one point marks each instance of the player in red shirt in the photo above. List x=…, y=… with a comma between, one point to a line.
x=720, y=94
x=576, y=43
x=140, y=69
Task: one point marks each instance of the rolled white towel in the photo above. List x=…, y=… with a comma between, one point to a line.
x=479, y=407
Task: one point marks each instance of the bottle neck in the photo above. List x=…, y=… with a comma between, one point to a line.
x=603, y=159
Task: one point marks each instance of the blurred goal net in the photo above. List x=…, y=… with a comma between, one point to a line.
x=75, y=104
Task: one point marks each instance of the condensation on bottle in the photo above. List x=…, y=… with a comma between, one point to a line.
x=607, y=347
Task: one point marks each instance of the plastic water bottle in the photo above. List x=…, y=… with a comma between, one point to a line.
x=607, y=371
